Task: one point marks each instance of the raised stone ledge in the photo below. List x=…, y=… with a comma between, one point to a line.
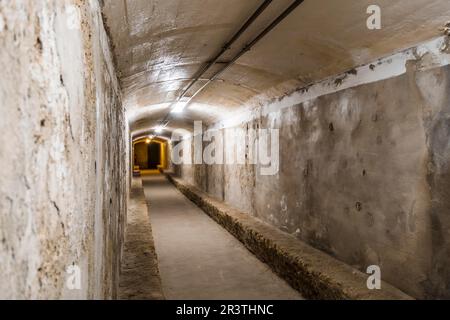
x=139, y=276
x=313, y=273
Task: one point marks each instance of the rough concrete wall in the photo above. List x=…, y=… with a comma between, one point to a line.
x=364, y=176
x=62, y=156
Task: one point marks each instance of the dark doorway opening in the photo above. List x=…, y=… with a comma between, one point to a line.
x=154, y=155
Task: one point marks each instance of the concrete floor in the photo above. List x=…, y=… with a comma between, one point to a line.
x=198, y=259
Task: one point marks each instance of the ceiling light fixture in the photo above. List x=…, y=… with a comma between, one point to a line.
x=180, y=105
x=159, y=129
x=149, y=139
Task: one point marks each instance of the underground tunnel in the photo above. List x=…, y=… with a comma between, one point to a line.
x=225, y=150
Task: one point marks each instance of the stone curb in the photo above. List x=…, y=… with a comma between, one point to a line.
x=139, y=276
x=313, y=273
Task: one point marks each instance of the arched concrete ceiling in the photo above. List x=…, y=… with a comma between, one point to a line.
x=160, y=44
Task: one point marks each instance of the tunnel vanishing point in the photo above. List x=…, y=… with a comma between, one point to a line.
x=320, y=167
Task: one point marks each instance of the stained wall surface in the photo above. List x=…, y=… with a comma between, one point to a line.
x=63, y=151
x=364, y=175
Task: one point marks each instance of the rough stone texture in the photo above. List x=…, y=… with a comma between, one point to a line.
x=315, y=274
x=62, y=187
x=139, y=277
x=364, y=176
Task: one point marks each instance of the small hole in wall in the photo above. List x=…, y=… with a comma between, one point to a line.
x=43, y=123
x=331, y=126
x=305, y=172
x=364, y=173
x=39, y=46
x=358, y=206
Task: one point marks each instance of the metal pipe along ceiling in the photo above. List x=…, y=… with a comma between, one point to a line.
x=228, y=45
x=245, y=49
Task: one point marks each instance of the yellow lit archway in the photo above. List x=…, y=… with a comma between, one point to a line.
x=145, y=150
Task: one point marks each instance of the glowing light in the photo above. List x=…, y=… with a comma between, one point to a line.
x=180, y=105
x=149, y=139
x=159, y=129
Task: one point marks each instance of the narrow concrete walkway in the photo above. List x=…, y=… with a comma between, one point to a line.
x=198, y=259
